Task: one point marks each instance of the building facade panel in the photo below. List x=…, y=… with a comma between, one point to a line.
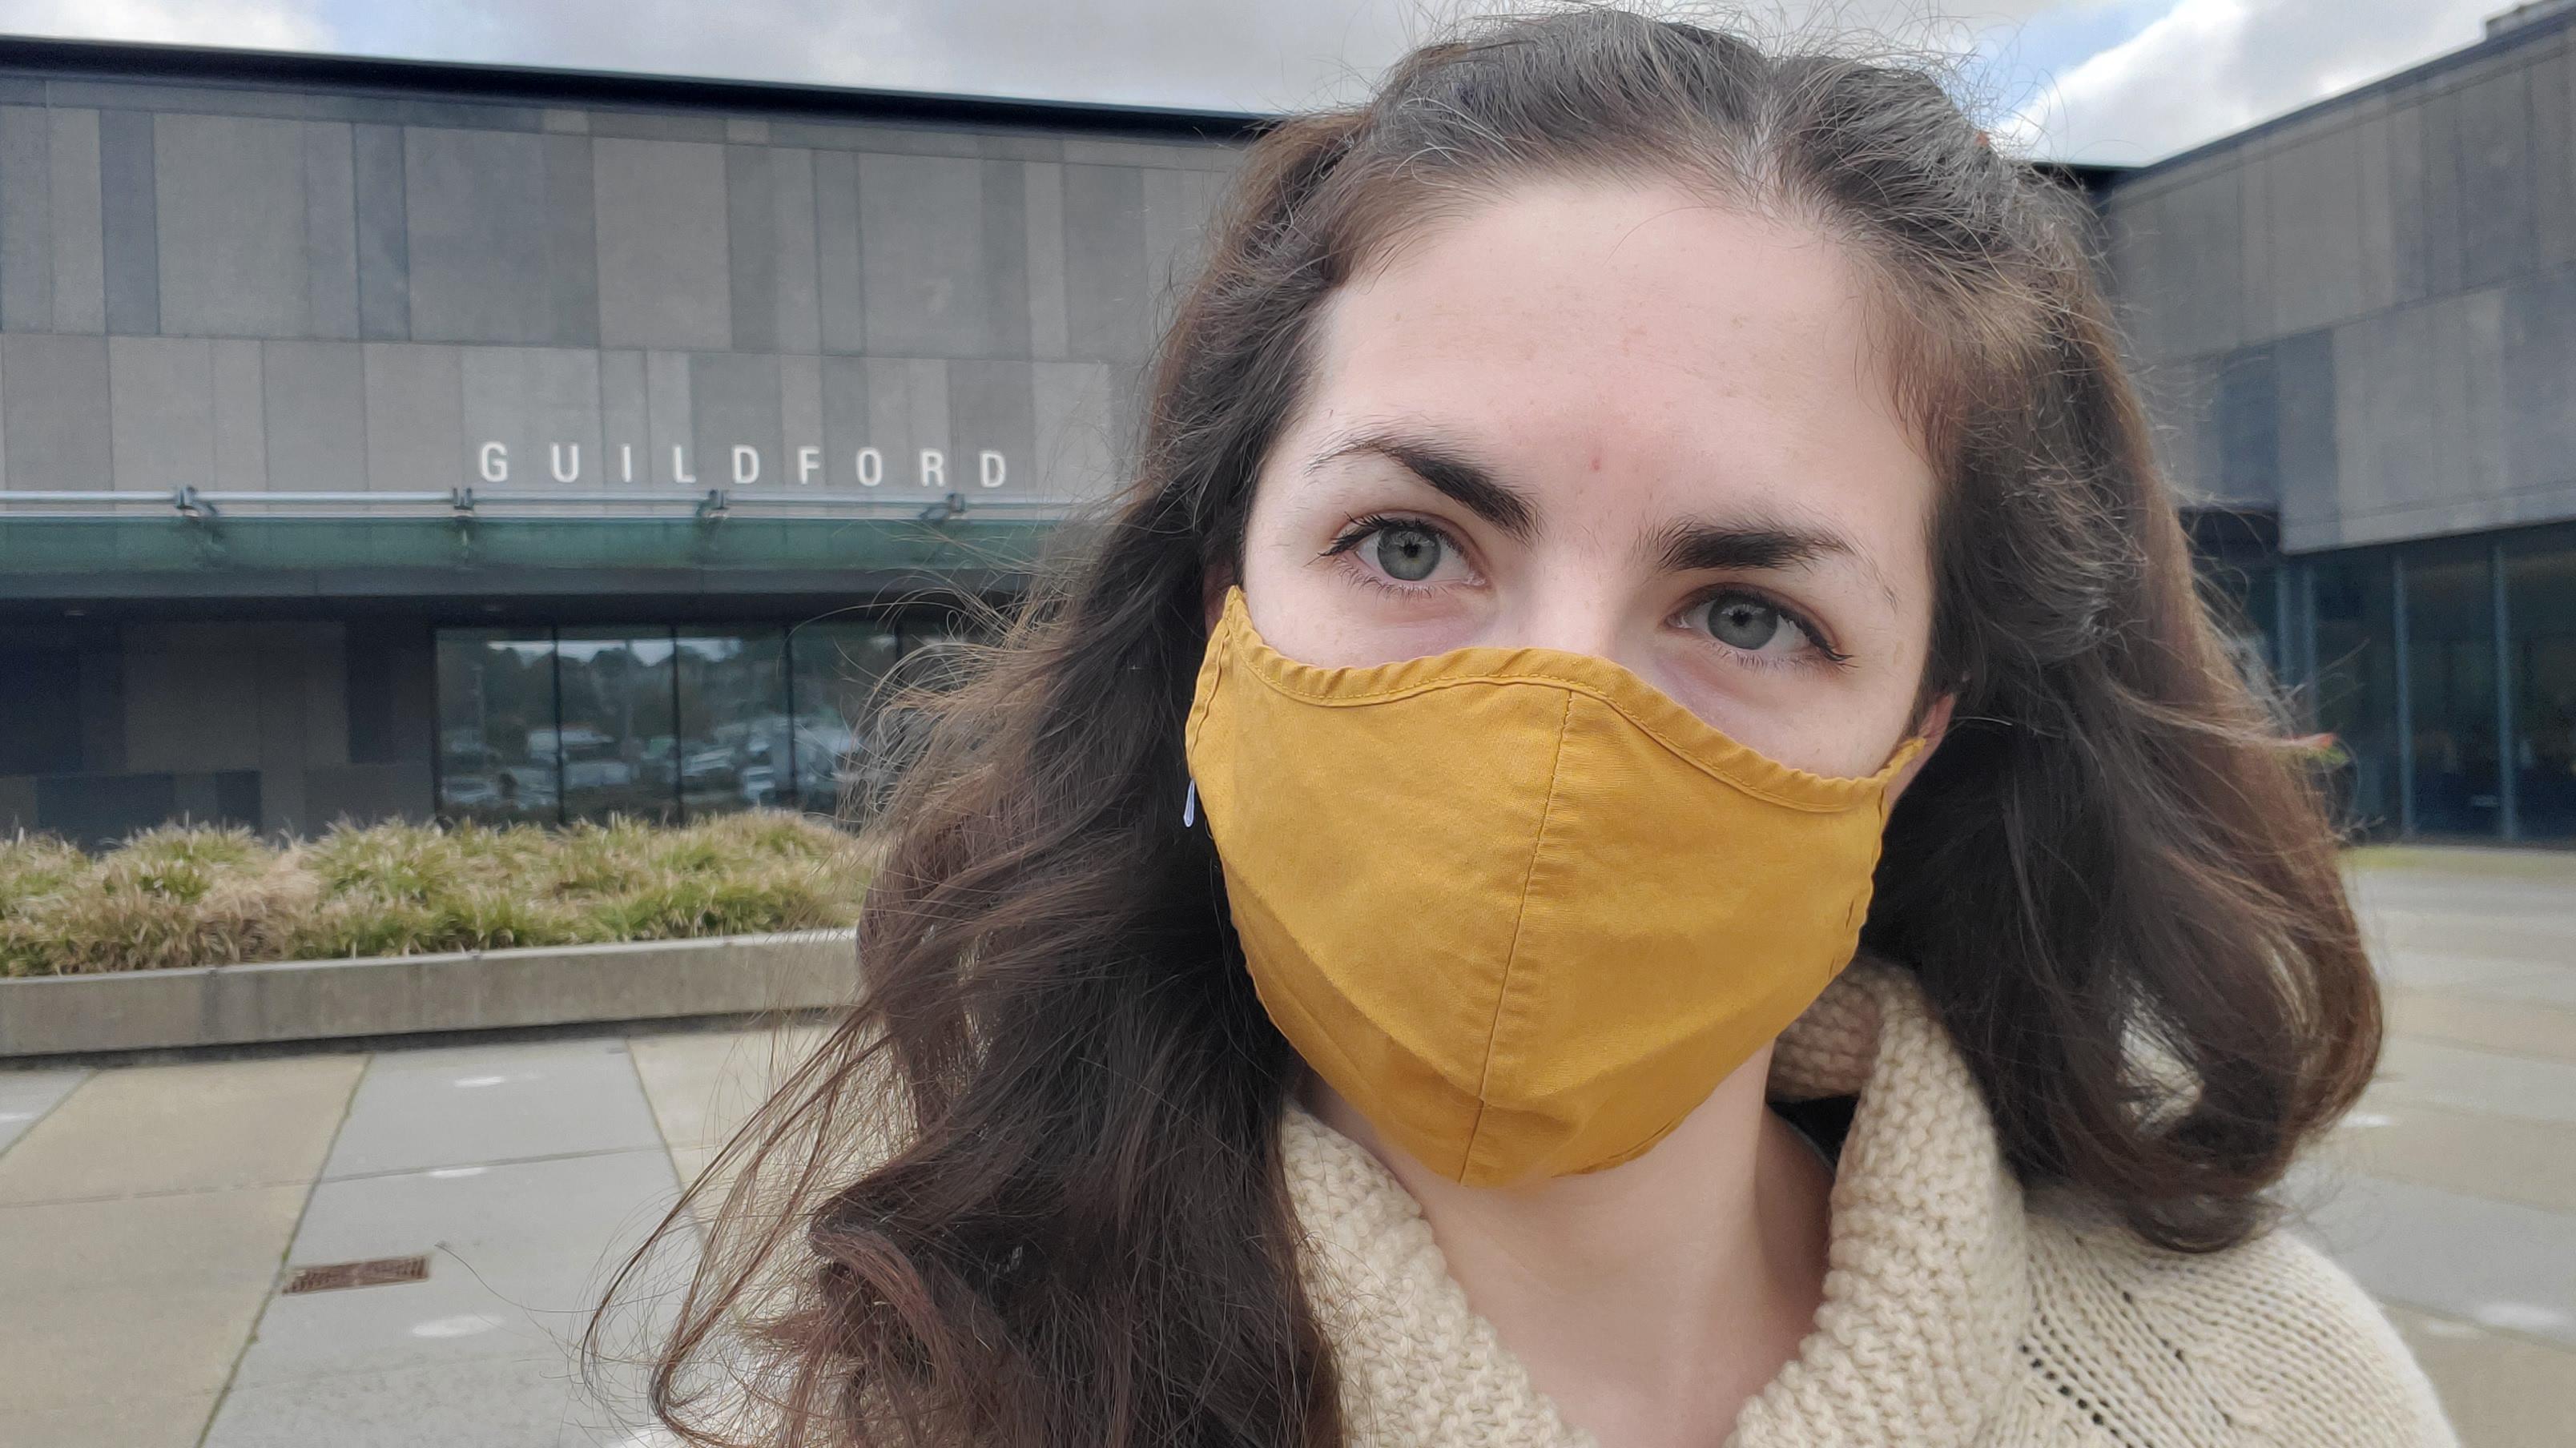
x=664, y=276
x=2539, y=367
x=416, y=418
x=129, y=222
x=532, y=415
x=379, y=202
x=314, y=404
x=26, y=219
x=2497, y=240
x=2553, y=158
x=735, y=400
x=925, y=229
x=992, y=408
x=330, y=231
x=840, y=297
x=2375, y=225
x=2408, y=221
x=230, y=212
x=241, y=415
x=161, y=406
x=352, y=388
x=80, y=282
x=2307, y=459
x=54, y=419
x=476, y=251
x=797, y=300
x=908, y=410
x=752, y=249
x=2315, y=230
x=1104, y=261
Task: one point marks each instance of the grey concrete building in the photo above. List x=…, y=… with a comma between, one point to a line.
x=2357, y=326
x=393, y=439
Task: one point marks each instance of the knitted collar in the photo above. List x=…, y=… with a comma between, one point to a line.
x=1926, y=1287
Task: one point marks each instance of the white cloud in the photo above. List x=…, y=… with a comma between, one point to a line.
x=1256, y=55
x=253, y=24
x=2207, y=67
x=2194, y=70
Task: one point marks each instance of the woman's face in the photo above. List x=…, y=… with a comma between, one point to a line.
x=1621, y=422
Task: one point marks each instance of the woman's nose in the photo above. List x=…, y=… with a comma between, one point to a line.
x=1574, y=621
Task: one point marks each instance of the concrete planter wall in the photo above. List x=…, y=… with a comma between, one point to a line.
x=390, y=995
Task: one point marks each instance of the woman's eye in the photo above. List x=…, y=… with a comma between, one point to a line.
x=1408, y=554
x=1742, y=621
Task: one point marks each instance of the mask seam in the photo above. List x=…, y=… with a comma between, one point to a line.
x=1592, y=692
x=1511, y=954
x=1237, y=619
x=1211, y=680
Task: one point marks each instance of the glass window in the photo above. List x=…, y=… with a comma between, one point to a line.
x=733, y=720
x=2263, y=616
x=620, y=744
x=497, y=759
x=2356, y=683
x=2243, y=602
x=840, y=668
x=2451, y=689
x=2540, y=614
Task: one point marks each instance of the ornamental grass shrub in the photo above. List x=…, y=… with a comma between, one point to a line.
x=185, y=895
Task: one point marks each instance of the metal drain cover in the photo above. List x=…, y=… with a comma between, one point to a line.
x=374, y=1272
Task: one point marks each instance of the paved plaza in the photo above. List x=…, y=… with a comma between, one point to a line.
x=149, y=1214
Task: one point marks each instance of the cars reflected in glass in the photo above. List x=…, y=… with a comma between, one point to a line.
x=676, y=723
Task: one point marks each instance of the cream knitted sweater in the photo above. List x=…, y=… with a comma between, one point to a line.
x=1956, y=1311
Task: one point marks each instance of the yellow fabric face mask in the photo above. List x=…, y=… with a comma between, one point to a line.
x=1522, y=909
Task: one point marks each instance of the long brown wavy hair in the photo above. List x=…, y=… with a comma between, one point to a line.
x=1029, y=1192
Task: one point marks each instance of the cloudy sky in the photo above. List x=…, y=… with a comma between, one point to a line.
x=2108, y=81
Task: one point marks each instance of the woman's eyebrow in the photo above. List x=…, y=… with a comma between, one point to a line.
x=1690, y=544
x=1448, y=470
x=1685, y=545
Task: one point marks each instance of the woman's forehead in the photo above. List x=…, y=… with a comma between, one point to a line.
x=1636, y=344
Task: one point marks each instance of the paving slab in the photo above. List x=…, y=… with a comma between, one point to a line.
x=132, y=1421
x=198, y=1126
x=136, y=1301
x=518, y=1253
x=2500, y=1390
x=2493, y=977
x=704, y=1085
x=2502, y=1158
x=464, y=1105
x=503, y=1402
x=25, y=1096
x=2498, y=1264
x=2511, y=1028
x=2423, y=1072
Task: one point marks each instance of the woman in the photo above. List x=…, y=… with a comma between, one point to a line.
x=1632, y=834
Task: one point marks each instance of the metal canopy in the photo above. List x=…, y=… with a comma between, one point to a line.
x=61, y=545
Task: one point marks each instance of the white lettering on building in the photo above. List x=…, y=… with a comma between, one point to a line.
x=563, y=462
